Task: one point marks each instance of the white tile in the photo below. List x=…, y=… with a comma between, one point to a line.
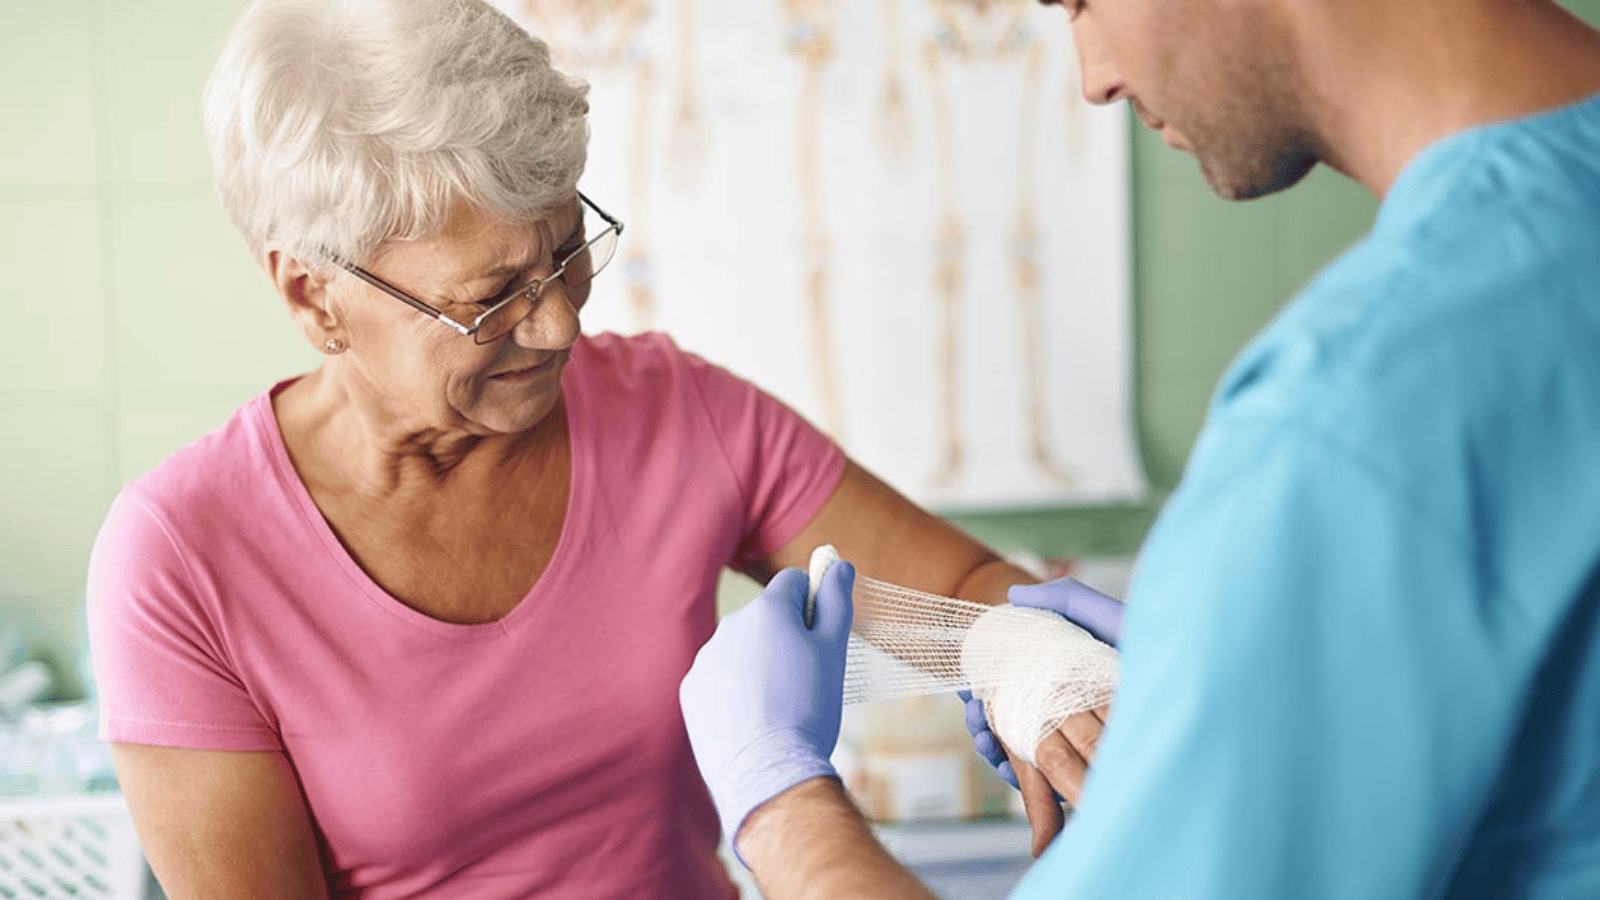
x=48, y=71
x=159, y=53
x=56, y=488
x=193, y=311
x=54, y=297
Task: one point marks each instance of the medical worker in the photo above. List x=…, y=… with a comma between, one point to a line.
x=1362, y=652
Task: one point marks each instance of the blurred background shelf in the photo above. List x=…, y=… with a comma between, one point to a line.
x=70, y=846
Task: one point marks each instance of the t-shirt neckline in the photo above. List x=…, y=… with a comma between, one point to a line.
x=532, y=602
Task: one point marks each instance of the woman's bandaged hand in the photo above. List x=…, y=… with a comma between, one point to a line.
x=1064, y=754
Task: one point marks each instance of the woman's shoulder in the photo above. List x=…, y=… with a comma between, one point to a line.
x=648, y=364
x=645, y=350
x=219, y=470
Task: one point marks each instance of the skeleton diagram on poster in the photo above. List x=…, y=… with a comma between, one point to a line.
x=897, y=216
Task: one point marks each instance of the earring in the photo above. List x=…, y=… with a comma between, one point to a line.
x=334, y=345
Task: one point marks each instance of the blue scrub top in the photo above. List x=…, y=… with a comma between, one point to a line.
x=1362, y=652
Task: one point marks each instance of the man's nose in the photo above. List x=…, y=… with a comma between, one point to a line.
x=1102, y=82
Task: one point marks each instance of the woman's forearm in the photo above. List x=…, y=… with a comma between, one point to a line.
x=988, y=581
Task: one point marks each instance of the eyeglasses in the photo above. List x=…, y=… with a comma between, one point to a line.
x=494, y=320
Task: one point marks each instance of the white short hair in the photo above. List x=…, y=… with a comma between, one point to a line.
x=337, y=126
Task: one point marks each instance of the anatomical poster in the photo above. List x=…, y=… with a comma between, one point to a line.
x=898, y=216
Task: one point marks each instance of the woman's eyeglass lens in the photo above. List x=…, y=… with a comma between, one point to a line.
x=575, y=271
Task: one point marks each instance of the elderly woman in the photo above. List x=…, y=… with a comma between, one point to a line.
x=413, y=624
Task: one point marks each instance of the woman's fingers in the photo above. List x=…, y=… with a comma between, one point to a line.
x=1082, y=732
x=1040, y=803
x=1061, y=765
x=1065, y=754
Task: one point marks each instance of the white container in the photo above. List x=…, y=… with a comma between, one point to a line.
x=69, y=846
x=23, y=685
x=911, y=759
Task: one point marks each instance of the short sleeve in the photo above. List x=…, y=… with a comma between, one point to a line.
x=1320, y=686
x=784, y=467
x=160, y=663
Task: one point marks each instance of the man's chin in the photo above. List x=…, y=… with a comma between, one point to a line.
x=1243, y=184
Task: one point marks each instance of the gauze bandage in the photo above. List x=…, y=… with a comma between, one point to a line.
x=1031, y=668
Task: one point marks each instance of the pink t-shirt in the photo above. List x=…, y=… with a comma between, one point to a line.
x=542, y=755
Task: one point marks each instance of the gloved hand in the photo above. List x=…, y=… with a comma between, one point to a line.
x=763, y=700
x=1081, y=605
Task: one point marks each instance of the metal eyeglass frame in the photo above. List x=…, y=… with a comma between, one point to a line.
x=613, y=226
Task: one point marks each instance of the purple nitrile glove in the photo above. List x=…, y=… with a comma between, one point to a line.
x=1075, y=601
x=1079, y=604
x=764, y=697
x=983, y=739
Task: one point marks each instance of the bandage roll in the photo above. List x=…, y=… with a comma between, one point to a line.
x=1032, y=668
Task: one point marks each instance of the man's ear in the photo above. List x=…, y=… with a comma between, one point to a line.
x=304, y=290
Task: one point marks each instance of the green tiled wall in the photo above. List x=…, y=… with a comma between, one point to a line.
x=136, y=321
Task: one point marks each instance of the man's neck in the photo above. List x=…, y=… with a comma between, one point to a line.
x=1393, y=78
